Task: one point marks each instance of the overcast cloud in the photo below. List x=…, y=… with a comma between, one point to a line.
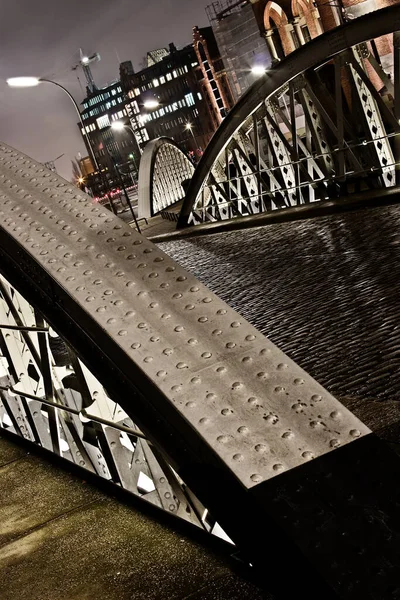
x=43, y=37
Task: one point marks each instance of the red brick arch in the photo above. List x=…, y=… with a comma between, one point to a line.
x=275, y=13
x=301, y=7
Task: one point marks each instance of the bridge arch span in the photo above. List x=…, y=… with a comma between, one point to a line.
x=283, y=111
x=163, y=169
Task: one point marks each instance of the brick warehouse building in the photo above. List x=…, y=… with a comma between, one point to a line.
x=165, y=99
x=212, y=76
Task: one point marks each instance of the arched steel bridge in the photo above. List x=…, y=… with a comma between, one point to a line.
x=118, y=359
x=321, y=125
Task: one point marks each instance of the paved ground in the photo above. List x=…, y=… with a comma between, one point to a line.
x=326, y=291
x=61, y=538
x=155, y=225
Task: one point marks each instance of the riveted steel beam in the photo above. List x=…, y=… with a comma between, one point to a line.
x=250, y=432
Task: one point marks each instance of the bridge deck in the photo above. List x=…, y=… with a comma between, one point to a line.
x=62, y=538
x=326, y=291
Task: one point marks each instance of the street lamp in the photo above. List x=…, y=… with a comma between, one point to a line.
x=120, y=126
x=23, y=82
x=151, y=104
x=189, y=127
x=258, y=70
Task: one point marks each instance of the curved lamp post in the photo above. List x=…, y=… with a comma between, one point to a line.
x=24, y=82
x=189, y=127
x=120, y=126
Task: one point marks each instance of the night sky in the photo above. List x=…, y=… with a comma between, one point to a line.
x=43, y=37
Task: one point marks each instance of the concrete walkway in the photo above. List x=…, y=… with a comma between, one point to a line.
x=61, y=538
x=154, y=226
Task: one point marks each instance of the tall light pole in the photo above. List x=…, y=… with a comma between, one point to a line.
x=24, y=82
x=120, y=126
x=189, y=127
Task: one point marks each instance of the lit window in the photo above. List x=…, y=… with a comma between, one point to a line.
x=119, y=89
x=162, y=79
x=108, y=105
x=137, y=91
x=189, y=99
x=169, y=76
x=175, y=74
x=162, y=112
x=155, y=82
x=113, y=92
x=199, y=96
x=186, y=69
x=103, y=122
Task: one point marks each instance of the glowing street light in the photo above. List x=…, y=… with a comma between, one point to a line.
x=118, y=126
x=151, y=104
x=258, y=70
x=85, y=60
x=26, y=82
x=23, y=82
x=189, y=127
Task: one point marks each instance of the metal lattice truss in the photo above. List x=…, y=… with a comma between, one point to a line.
x=329, y=130
x=163, y=170
x=49, y=397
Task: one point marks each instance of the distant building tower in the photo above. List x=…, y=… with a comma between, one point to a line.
x=212, y=76
x=239, y=42
x=165, y=99
x=155, y=56
x=100, y=110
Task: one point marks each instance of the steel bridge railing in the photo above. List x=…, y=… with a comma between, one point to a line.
x=322, y=123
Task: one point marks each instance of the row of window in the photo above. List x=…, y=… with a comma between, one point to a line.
x=172, y=124
x=162, y=79
x=100, y=109
x=104, y=121
x=170, y=108
x=102, y=97
x=88, y=129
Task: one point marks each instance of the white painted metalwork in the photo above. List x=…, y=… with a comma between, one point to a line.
x=163, y=169
x=319, y=125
